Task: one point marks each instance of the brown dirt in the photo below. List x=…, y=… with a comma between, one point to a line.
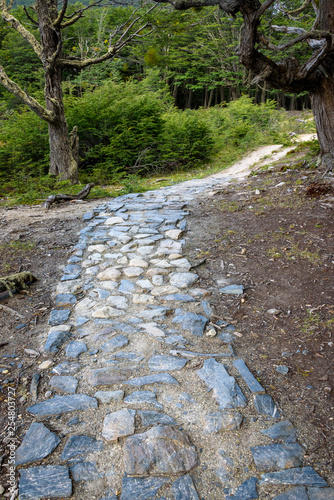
x=278, y=244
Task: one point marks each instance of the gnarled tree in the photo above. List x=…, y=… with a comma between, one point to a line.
x=314, y=75
x=51, y=19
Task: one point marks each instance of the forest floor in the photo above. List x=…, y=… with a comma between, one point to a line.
x=272, y=231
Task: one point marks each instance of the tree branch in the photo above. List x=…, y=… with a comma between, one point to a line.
x=76, y=15
x=34, y=105
x=29, y=16
x=310, y=36
x=300, y=9
x=264, y=7
x=20, y=29
x=61, y=15
x=309, y=66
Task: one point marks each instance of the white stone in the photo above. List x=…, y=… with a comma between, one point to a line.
x=184, y=263
x=122, y=260
x=145, y=284
x=151, y=329
x=164, y=290
x=161, y=263
x=97, y=248
x=118, y=424
x=211, y=333
x=111, y=273
x=113, y=256
x=113, y=220
x=157, y=270
x=174, y=256
x=139, y=236
x=60, y=328
x=145, y=250
x=45, y=365
x=118, y=301
x=142, y=298
x=73, y=286
x=174, y=234
x=158, y=280
x=108, y=396
x=107, y=312
x=84, y=304
x=132, y=272
x=130, y=247
x=138, y=263
x=109, y=285
x=183, y=280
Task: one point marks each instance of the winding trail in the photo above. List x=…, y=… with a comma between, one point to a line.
x=147, y=399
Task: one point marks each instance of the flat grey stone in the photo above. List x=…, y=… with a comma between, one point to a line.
x=233, y=289
x=156, y=312
x=298, y=493
x=321, y=493
x=56, y=338
x=72, y=269
x=65, y=384
x=266, y=406
x=76, y=446
x=81, y=320
x=75, y=348
x=282, y=369
x=160, y=450
x=37, y=443
x=67, y=368
x=222, y=421
x=63, y=404
x=253, y=385
x=278, y=456
x=70, y=277
x=177, y=297
x=149, y=418
x=161, y=362
x=107, y=376
x=141, y=488
x=87, y=216
x=143, y=397
x=305, y=476
x=247, y=491
x=283, y=430
x=182, y=280
x=85, y=471
x=65, y=299
x=108, y=396
x=158, y=378
x=115, y=343
x=118, y=424
x=34, y=386
x=183, y=488
x=49, y=481
x=225, y=389
x=194, y=323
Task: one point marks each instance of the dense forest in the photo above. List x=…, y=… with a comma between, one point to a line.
x=144, y=109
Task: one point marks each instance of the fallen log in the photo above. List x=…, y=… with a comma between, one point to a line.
x=16, y=281
x=68, y=197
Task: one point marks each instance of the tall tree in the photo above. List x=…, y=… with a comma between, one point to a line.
x=51, y=19
x=314, y=75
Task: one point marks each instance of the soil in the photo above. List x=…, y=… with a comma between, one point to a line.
x=272, y=233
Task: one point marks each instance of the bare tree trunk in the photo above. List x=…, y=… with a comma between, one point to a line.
x=322, y=100
x=210, y=98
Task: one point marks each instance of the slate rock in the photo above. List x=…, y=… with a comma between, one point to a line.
x=37, y=443
x=80, y=445
x=305, y=476
x=160, y=362
x=321, y=493
x=67, y=368
x=34, y=386
x=194, y=323
x=75, y=348
x=283, y=430
x=160, y=450
x=233, y=289
x=51, y=481
x=118, y=424
x=183, y=488
x=253, y=385
x=59, y=316
x=108, y=396
x=298, y=493
x=85, y=471
x=143, y=397
x=107, y=376
x=247, y=491
x=65, y=384
x=177, y=297
x=115, y=343
x=222, y=420
x=277, y=456
x=225, y=389
x=282, y=369
x=63, y=404
x=56, y=337
x=158, y=378
x=149, y=418
x=265, y=405
x=140, y=488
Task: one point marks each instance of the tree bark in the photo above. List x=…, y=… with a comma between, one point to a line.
x=322, y=100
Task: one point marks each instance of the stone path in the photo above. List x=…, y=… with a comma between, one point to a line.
x=132, y=410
